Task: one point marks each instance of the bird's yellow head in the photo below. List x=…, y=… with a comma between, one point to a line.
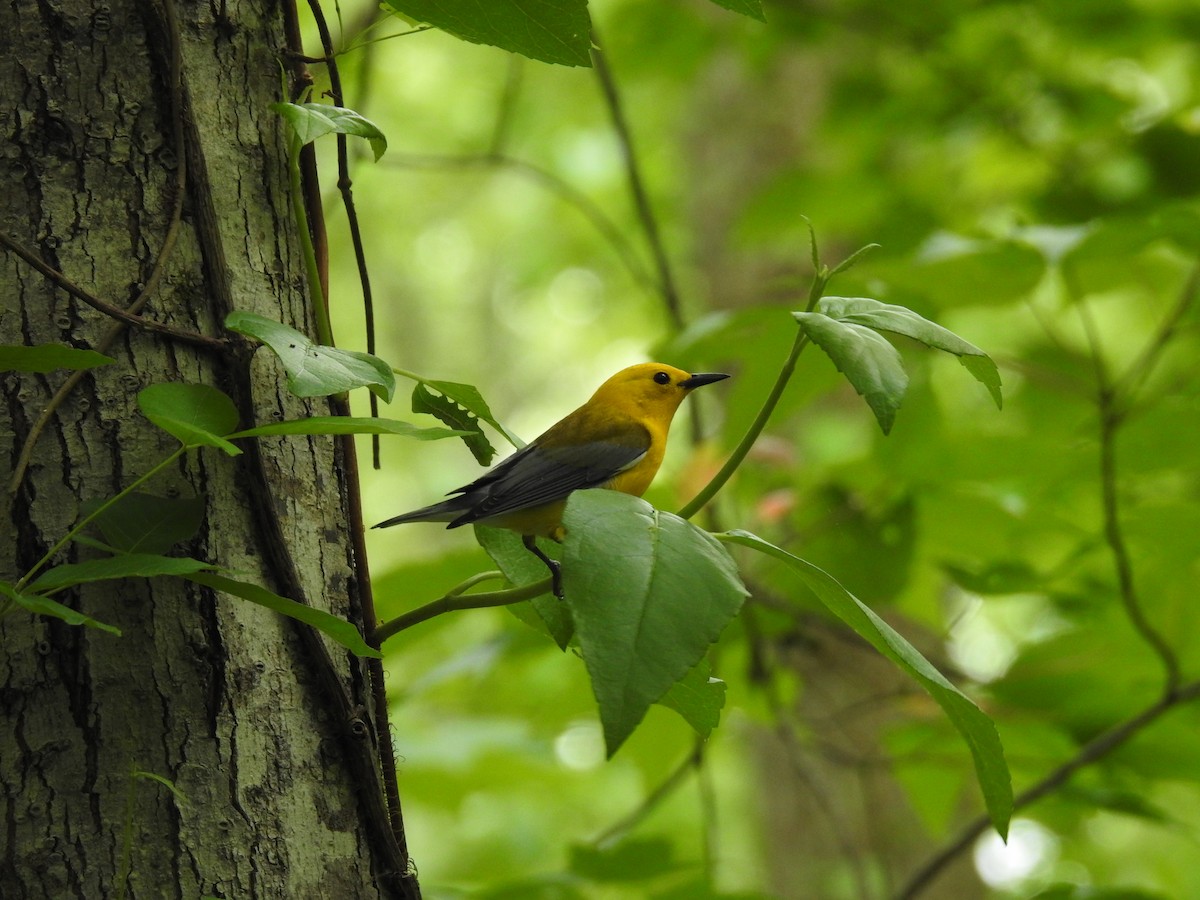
x=651, y=389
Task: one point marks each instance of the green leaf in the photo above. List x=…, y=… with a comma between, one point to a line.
x=457, y=417
x=901, y=320
x=310, y=121
x=44, y=606
x=545, y=613
x=48, y=357
x=347, y=425
x=196, y=414
x=553, y=31
x=314, y=370
x=649, y=592
x=468, y=397
x=869, y=362
x=977, y=729
x=125, y=565
x=751, y=8
x=144, y=523
x=345, y=633
x=697, y=697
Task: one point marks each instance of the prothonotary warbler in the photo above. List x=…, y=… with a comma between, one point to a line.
x=615, y=440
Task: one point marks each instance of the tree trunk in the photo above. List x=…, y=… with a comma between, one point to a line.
x=264, y=730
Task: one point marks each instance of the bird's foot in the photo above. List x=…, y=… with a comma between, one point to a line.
x=530, y=543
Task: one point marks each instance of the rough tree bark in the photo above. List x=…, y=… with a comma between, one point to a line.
x=266, y=731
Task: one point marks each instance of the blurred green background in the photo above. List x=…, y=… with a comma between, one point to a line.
x=1030, y=171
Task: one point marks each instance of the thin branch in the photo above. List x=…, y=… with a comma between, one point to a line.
x=616, y=832
x=109, y=309
x=637, y=187
x=456, y=600
x=1140, y=368
x=1090, y=753
x=1111, y=418
x=345, y=185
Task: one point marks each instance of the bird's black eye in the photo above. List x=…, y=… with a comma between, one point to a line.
x=662, y=378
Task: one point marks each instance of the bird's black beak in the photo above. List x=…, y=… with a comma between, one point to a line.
x=703, y=378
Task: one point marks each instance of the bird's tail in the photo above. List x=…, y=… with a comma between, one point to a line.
x=438, y=512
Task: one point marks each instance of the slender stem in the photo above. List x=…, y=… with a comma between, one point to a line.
x=453, y=601
x=83, y=523
x=480, y=578
x=316, y=295
x=617, y=831
x=637, y=186
x=752, y=433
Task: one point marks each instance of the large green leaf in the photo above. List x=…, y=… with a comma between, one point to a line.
x=869, y=362
x=976, y=728
x=313, y=120
x=345, y=633
x=314, y=370
x=553, y=31
x=48, y=357
x=649, y=593
x=196, y=414
x=44, y=606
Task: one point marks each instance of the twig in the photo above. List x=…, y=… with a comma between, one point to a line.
x=110, y=310
x=1090, y=753
x=1111, y=419
x=345, y=186
x=641, y=200
x=613, y=835
x=456, y=600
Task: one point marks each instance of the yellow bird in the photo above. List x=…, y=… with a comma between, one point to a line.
x=615, y=440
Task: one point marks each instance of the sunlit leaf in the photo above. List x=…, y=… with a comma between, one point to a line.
x=313, y=120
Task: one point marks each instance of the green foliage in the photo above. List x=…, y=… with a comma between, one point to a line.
x=459, y=417
x=314, y=370
x=553, y=31
x=1028, y=172
x=310, y=121
x=649, y=593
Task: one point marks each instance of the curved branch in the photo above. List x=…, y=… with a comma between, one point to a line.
x=454, y=600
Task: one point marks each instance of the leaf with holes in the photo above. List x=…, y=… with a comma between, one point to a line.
x=314, y=370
